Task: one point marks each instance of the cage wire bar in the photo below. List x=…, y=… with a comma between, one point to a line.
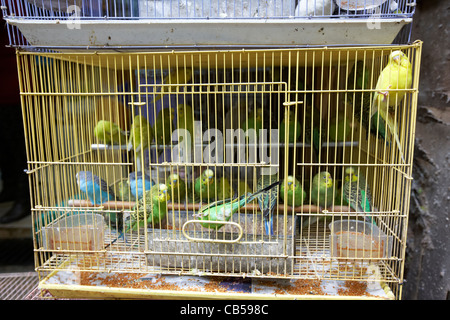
x=106, y=24
x=202, y=110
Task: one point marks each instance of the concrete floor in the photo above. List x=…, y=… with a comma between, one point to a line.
x=16, y=244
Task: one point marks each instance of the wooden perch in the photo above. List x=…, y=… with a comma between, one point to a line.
x=250, y=207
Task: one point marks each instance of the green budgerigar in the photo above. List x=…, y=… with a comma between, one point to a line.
x=176, y=77
x=185, y=120
x=356, y=192
x=322, y=189
x=254, y=121
x=267, y=201
x=109, y=133
x=359, y=79
x=224, y=189
x=396, y=75
x=163, y=126
x=204, y=186
x=177, y=187
x=295, y=195
x=140, y=135
x=294, y=127
x=222, y=210
x=154, y=203
x=122, y=190
x=339, y=129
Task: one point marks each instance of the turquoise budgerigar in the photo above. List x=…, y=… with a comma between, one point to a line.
x=222, y=210
x=204, y=186
x=139, y=184
x=356, y=192
x=295, y=193
x=396, y=75
x=322, y=189
x=109, y=133
x=267, y=200
x=178, y=76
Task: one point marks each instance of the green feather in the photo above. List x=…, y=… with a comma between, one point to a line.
x=222, y=210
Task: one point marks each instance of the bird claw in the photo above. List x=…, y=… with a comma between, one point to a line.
x=385, y=93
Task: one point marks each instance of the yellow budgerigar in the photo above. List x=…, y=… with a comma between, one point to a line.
x=178, y=76
x=396, y=75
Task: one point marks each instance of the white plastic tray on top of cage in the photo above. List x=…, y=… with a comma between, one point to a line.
x=186, y=23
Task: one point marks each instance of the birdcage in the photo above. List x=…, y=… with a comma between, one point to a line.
x=202, y=131
x=106, y=24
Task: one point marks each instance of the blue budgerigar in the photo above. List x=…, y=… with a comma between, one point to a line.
x=96, y=189
x=98, y=192
x=267, y=200
x=139, y=183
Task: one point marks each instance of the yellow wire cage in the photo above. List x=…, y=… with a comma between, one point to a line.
x=242, y=114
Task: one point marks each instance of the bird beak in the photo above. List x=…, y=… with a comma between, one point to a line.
x=396, y=59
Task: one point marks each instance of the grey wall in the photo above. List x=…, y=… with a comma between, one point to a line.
x=427, y=270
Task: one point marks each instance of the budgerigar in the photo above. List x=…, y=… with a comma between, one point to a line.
x=98, y=192
x=154, y=203
x=177, y=187
x=356, y=192
x=185, y=120
x=359, y=79
x=295, y=193
x=109, y=133
x=312, y=129
x=339, y=129
x=204, y=186
x=224, y=189
x=396, y=75
x=295, y=129
x=322, y=189
x=267, y=201
x=95, y=188
x=140, y=137
x=163, y=126
x=315, y=7
x=139, y=183
x=254, y=121
x=243, y=188
x=176, y=77
x=222, y=210
x=123, y=192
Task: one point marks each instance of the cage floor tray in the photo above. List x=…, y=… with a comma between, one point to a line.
x=214, y=32
x=103, y=285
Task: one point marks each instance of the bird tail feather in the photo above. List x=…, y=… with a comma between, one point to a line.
x=393, y=128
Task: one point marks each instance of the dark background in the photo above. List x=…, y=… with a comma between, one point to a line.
x=427, y=274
